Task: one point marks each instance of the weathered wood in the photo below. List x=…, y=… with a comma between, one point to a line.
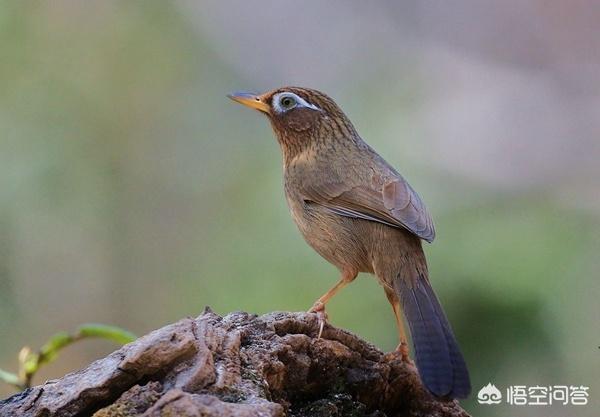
x=239, y=365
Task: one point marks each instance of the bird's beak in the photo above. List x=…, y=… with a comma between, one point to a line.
x=251, y=100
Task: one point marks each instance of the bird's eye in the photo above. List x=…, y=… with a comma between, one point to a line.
x=287, y=102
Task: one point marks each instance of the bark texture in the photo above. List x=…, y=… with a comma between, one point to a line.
x=239, y=365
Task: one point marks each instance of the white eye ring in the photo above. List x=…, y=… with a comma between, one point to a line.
x=298, y=102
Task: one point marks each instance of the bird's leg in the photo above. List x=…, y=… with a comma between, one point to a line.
x=402, y=348
x=319, y=305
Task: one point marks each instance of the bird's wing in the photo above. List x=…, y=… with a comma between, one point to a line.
x=385, y=198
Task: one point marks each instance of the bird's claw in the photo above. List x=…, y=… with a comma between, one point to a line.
x=319, y=308
x=401, y=351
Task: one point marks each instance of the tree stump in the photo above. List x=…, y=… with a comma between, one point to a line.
x=239, y=365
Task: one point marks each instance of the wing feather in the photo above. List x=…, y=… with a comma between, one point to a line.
x=386, y=199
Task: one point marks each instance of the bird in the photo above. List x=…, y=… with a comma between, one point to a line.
x=356, y=211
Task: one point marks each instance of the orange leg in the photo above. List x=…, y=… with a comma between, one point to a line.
x=402, y=348
x=319, y=305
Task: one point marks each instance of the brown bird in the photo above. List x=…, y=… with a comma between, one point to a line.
x=361, y=215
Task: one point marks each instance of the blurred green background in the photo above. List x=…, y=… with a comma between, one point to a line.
x=133, y=192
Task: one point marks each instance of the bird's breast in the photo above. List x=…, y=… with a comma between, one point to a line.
x=333, y=237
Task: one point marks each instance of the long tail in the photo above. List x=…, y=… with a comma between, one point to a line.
x=439, y=361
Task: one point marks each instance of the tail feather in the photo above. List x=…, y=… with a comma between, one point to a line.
x=440, y=363
x=462, y=382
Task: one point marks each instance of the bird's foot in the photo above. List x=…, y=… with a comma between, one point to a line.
x=319, y=308
x=401, y=352
x=402, y=348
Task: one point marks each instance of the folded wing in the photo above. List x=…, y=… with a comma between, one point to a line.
x=386, y=199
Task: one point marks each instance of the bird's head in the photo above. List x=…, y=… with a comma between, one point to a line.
x=300, y=117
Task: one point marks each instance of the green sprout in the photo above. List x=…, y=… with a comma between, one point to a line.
x=30, y=362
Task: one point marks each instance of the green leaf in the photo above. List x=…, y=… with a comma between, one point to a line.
x=116, y=334
x=49, y=351
x=10, y=378
x=31, y=364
